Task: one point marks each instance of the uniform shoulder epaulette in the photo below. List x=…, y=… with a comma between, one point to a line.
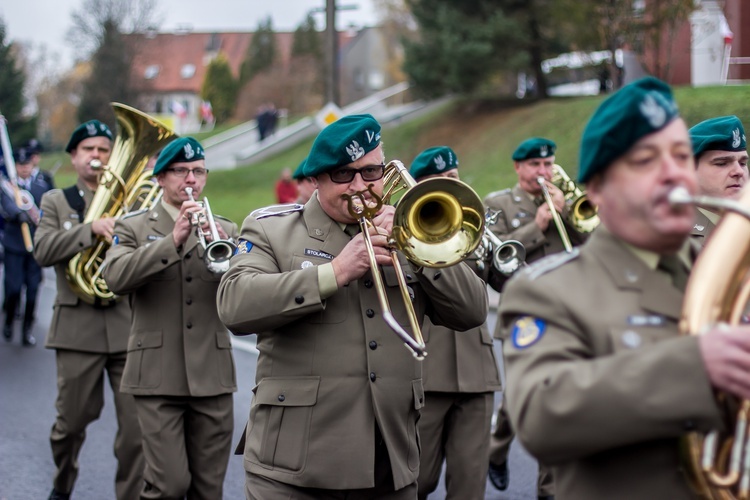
x=502, y=192
x=133, y=214
x=216, y=216
x=549, y=263
x=276, y=210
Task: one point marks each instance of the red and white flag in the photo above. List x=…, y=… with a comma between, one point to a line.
x=178, y=109
x=207, y=112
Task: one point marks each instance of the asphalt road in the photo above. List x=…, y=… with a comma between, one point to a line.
x=27, y=397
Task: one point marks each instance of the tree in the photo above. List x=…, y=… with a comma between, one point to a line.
x=12, y=81
x=220, y=88
x=307, y=40
x=261, y=52
x=109, y=79
x=460, y=45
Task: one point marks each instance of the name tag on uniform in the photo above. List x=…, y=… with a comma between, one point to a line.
x=153, y=237
x=646, y=320
x=318, y=253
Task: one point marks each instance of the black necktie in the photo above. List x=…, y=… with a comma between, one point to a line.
x=539, y=201
x=352, y=230
x=673, y=266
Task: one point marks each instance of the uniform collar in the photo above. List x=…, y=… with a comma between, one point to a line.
x=713, y=217
x=321, y=227
x=173, y=212
x=521, y=197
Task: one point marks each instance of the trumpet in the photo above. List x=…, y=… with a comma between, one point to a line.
x=217, y=251
x=438, y=223
x=506, y=257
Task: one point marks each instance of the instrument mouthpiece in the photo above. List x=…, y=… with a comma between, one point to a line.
x=95, y=164
x=680, y=196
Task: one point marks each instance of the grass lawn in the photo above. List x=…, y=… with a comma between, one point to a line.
x=483, y=134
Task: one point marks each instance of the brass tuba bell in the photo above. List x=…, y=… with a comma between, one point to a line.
x=124, y=185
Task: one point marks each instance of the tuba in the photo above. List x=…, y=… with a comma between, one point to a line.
x=582, y=215
x=124, y=185
x=437, y=223
x=718, y=464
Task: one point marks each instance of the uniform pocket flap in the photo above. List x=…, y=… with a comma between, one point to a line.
x=223, y=341
x=145, y=340
x=418, y=390
x=288, y=391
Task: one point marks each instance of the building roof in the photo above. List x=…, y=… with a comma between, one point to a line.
x=177, y=62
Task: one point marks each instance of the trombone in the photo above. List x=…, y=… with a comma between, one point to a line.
x=437, y=223
x=218, y=251
x=555, y=215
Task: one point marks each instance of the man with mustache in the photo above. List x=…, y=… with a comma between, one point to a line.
x=720, y=150
x=601, y=385
x=337, y=396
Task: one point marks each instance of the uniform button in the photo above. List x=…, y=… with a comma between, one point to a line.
x=189, y=279
x=189, y=325
x=282, y=397
x=368, y=283
x=187, y=255
x=164, y=261
x=370, y=313
x=139, y=343
x=372, y=376
x=299, y=299
x=189, y=301
x=373, y=345
x=437, y=275
x=408, y=276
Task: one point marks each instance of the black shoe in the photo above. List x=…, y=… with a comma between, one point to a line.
x=499, y=476
x=8, y=332
x=56, y=495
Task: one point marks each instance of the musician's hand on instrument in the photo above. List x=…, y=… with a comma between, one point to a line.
x=543, y=217
x=726, y=358
x=353, y=261
x=384, y=220
x=183, y=225
x=558, y=198
x=104, y=227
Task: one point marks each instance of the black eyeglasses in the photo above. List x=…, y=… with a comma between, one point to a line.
x=368, y=173
x=184, y=171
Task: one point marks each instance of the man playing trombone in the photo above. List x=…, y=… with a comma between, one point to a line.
x=179, y=366
x=338, y=395
x=20, y=268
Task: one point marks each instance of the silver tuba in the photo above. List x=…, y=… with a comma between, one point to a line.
x=218, y=251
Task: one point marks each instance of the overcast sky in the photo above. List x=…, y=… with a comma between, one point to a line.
x=47, y=21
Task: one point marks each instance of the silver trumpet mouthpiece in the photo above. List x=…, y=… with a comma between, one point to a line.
x=95, y=164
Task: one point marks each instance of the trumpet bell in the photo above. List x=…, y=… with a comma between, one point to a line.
x=438, y=223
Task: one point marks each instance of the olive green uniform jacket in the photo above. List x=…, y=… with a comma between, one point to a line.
x=75, y=325
x=702, y=229
x=177, y=346
x=602, y=386
x=330, y=370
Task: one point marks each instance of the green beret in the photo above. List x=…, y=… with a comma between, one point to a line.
x=342, y=142
x=724, y=133
x=433, y=161
x=181, y=150
x=536, y=147
x=298, y=172
x=92, y=128
x=638, y=109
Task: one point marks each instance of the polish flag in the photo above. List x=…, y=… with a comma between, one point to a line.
x=179, y=110
x=207, y=112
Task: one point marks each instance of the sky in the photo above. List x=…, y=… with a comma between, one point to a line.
x=46, y=22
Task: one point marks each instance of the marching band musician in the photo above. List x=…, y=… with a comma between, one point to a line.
x=338, y=395
x=460, y=375
x=179, y=365
x=89, y=339
x=523, y=215
x=600, y=384
x=720, y=150
x=20, y=268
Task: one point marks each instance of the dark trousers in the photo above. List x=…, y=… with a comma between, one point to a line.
x=80, y=398
x=455, y=428
x=500, y=440
x=21, y=270
x=187, y=442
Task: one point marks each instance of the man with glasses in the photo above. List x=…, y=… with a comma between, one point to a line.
x=179, y=365
x=89, y=339
x=338, y=395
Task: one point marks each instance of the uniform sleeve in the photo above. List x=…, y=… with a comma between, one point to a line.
x=130, y=265
x=9, y=208
x=54, y=244
x=255, y=295
x=458, y=298
x=565, y=403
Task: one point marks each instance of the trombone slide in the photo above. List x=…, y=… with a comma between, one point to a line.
x=555, y=215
